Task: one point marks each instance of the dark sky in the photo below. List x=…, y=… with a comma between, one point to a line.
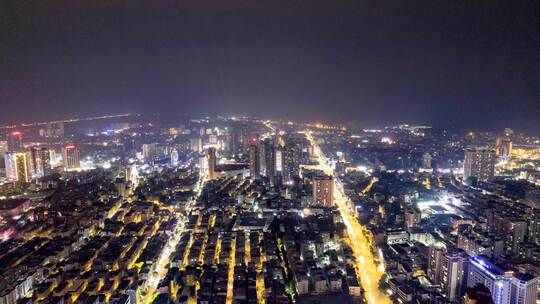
x=467, y=64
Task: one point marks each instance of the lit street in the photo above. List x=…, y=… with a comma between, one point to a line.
x=367, y=271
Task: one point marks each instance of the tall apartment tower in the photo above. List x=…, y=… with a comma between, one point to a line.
x=254, y=162
x=434, y=271
x=504, y=146
x=323, y=191
x=17, y=166
x=269, y=158
x=70, y=157
x=15, y=141
x=454, y=269
x=211, y=163
x=479, y=164
x=524, y=288
x=291, y=162
x=39, y=160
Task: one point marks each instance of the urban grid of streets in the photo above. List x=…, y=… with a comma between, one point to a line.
x=368, y=272
x=165, y=257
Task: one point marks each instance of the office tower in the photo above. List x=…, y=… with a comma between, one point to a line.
x=211, y=163
x=499, y=282
x=504, y=147
x=524, y=288
x=269, y=159
x=70, y=157
x=196, y=144
x=15, y=141
x=17, y=166
x=479, y=294
x=254, y=163
x=479, y=164
x=323, y=191
x=454, y=273
x=426, y=161
x=291, y=163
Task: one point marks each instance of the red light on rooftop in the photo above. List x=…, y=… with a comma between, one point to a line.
x=15, y=133
x=70, y=147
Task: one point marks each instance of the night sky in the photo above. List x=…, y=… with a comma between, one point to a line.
x=465, y=64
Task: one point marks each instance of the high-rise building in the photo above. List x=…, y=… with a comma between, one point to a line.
x=534, y=228
x=269, y=159
x=52, y=130
x=45, y=157
x=196, y=144
x=291, y=162
x=254, y=163
x=3, y=150
x=15, y=141
x=516, y=231
x=70, y=157
x=479, y=164
x=150, y=151
x=262, y=160
x=174, y=157
x=454, y=273
x=34, y=162
x=435, y=261
x=524, y=288
x=323, y=191
x=504, y=146
x=17, y=166
x=239, y=138
x=499, y=282
x=211, y=163
x=279, y=165
x=412, y=218
x=426, y=161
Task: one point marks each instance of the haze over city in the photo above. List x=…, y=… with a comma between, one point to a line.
x=467, y=65
x=269, y=152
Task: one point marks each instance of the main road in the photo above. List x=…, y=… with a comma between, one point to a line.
x=165, y=256
x=367, y=270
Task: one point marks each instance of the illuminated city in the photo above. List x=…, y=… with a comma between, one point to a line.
x=269, y=152
x=243, y=210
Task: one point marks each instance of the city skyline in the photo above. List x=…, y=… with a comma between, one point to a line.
x=269, y=152
x=124, y=209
